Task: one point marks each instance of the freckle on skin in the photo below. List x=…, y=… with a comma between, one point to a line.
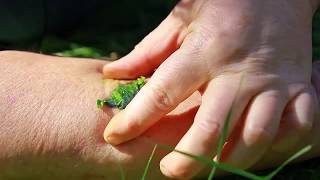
x=12, y=99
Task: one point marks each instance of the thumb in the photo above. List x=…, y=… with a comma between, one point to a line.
x=150, y=52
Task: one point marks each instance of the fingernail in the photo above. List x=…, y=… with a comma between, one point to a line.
x=113, y=140
x=109, y=130
x=107, y=73
x=108, y=69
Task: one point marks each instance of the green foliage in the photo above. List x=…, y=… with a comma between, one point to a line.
x=222, y=141
x=234, y=170
x=122, y=173
x=123, y=94
x=292, y=158
x=80, y=51
x=230, y=169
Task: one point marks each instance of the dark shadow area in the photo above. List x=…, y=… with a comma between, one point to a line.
x=50, y=26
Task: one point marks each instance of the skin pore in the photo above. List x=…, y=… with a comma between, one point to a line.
x=50, y=127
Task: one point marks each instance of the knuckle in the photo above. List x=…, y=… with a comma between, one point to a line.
x=160, y=98
x=230, y=36
x=256, y=135
x=237, y=25
x=198, y=42
x=211, y=128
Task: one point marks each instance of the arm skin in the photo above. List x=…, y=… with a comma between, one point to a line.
x=50, y=127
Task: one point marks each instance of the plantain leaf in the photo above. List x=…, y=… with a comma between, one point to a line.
x=122, y=95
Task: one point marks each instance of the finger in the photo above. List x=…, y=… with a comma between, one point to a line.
x=202, y=138
x=296, y=122
x=150, y=52
x=260, y=127
x=175, y=80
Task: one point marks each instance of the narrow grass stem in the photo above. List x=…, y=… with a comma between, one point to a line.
x=122, y=173
x=222, y=140
x=292, y=158
x=146, y=169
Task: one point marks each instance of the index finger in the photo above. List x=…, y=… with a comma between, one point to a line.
x=175, y=80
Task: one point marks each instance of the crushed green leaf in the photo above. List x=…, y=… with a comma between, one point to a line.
x=122, y=95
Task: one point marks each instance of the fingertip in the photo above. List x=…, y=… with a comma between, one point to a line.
x=107, y=68
x=124, y=69
x=109, y=133
x=172, y=167
x=122, y=128
x=114, y=70
x=113, y=140
x=164, y=169
x=107, y=71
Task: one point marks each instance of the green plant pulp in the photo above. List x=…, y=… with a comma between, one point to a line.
x=122, y=95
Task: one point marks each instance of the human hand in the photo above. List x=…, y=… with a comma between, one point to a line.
x=251, y=56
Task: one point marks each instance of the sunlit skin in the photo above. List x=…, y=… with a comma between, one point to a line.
x=50, y=127
x=250, y=54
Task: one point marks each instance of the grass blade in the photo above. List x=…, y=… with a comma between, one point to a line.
x=149, y=163
x=222, y=166
x=206, y=160
x=293, y=157
x=222, y=140
x=123, y=176
x=234, y=170
x=224, y=134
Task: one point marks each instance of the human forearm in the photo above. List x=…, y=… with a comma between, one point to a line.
x=46, y=108
x=51, y=125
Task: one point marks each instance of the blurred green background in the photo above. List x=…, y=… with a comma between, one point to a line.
x=114, y=26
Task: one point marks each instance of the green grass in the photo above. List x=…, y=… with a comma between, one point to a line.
x=147, y=168
x=122, y=173
x=222, y=141
x=227, y=168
